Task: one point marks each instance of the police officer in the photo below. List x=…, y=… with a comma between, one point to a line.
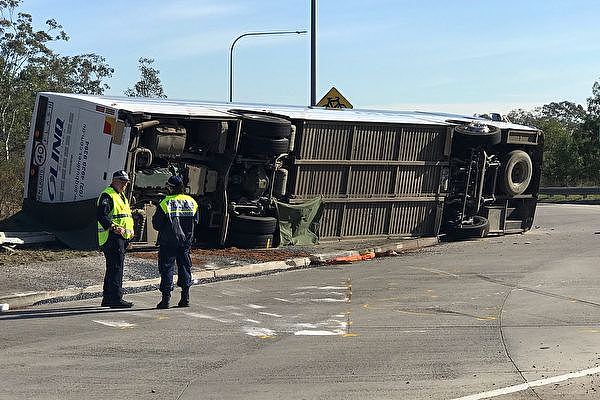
x=115, y=229
x=175, y=220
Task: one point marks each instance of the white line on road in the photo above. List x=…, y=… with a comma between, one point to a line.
x=435, y=271
x=115, y=324
x=279, y=299
x=328, y=300
x=525, y=386
x=271, y=314
x=259, y=332
x=317, y=333
x=204, y=316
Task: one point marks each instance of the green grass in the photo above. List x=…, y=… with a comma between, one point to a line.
x=591, y=198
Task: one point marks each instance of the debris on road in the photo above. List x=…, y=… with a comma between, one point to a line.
x=216, y=258
x=19, y=238
x=353, y=257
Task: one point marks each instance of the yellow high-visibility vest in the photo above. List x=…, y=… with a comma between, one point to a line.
x=120, y=215
x=179, y=205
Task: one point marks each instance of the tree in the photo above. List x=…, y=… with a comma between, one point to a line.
x=588, y=138
x=149, y=84
x=28, y=65
x=560, y=122
x=83, y=74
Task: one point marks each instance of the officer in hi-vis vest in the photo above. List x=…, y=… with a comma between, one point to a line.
x=175, y=220
x=115, y=229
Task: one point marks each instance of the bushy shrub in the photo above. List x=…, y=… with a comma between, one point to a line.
x=11, y=187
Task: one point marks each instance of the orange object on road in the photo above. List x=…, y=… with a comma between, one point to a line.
x=352, y=258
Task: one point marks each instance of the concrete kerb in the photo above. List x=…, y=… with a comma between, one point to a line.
x=21, y=300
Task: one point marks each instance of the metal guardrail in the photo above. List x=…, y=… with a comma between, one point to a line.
x=570, y=191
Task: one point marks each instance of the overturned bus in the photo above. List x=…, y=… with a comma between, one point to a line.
x=266, y=175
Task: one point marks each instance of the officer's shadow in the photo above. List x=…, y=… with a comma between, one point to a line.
x=64, y=312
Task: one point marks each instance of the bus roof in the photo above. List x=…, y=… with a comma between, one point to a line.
x=231, y=110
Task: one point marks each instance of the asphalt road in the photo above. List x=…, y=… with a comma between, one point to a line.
x=461, y=320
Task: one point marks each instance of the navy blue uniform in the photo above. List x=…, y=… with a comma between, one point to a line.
x=114, y=252
x=175, y=220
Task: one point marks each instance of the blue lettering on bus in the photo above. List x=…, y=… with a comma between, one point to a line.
x=56, y=149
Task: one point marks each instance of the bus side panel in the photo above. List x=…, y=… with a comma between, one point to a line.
x=375, y=179
x=35, y=149
x=72, y=154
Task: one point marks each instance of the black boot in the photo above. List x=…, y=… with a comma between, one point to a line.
x=164, y=303
x=185, y=297
x=120, y=303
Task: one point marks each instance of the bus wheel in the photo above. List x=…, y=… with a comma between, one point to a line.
x=258, y=145
x=476, y=227
x=517, y=173
x=266, y=126
x=252, y=224
x=250, y=240
x=477, y=134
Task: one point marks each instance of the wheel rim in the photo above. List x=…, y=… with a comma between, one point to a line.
x=518, y=174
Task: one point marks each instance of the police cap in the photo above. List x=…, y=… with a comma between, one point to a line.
x=175, y=181
x=121, y=175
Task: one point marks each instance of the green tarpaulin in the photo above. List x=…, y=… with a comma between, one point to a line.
x=299, y=223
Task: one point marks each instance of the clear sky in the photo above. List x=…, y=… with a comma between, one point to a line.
x=462, y=56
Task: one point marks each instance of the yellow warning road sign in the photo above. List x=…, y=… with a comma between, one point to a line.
x=334, y=99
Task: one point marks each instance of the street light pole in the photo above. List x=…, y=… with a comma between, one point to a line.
x=250, y=34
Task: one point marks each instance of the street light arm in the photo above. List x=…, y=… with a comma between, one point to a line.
x=250, y=34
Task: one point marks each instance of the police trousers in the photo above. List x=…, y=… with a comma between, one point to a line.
x=114, y=252
x=168, y=256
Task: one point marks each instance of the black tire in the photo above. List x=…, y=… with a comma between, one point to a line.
x=266, y=126
x=478, y=227
x=477, y=135
x=516, y=173
x=257, y=145
x=252, y=224
x=250, y=240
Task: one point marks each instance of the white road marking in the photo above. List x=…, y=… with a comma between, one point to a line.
x=284, y=300
x=204, y=316
x=271, y=314
x=328, y=300
x=525, y=386
x=255, y=306
x=115, y=324
x=318, y=333
x=333, y=288
x=305, y=325
x=435, y=271
x=252, y=321
x=260, y=332
x=323, y=287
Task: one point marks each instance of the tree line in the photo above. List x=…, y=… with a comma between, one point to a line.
x=571, y=140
